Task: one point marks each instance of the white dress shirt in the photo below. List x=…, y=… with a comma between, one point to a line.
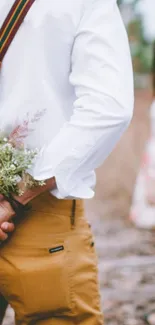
x=68, y=72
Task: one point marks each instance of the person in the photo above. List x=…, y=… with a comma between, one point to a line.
x=143, y=205
x=68, y=77
x=142, y=211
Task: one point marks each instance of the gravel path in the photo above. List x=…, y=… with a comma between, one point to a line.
x=127, y=271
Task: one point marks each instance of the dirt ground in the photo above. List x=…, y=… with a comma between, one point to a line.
x=126, y=255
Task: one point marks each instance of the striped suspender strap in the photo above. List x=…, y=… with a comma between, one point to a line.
x=12, y=24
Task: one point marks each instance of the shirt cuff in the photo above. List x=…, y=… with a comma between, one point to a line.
x=84, y=189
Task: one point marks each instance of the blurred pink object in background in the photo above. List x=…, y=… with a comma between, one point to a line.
x=142, y=212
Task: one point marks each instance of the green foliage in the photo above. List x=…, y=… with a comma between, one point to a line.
x=14, y=162
x=141, y=50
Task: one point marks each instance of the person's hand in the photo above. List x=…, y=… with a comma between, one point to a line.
x=6, y=215
x=6, y=211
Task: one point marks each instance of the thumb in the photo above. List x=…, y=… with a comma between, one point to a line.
x=7, y=227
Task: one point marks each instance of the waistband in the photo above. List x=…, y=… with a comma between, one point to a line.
x=48, y=220
x=46, y=203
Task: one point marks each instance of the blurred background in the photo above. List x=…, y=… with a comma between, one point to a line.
x=122, y=214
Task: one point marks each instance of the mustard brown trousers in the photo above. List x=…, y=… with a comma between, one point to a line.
x=48, y=267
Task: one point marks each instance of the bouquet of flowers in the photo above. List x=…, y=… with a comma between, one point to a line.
x=15, y=160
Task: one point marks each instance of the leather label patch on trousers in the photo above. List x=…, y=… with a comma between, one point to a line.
x=56, y=249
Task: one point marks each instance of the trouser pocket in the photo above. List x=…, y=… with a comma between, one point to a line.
x=45, y=282
x=41, y=280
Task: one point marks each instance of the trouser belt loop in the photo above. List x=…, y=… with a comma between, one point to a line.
x=73, y=214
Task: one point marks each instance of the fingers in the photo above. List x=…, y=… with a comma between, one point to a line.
x=3, y=235
x=7, y=208
x=6, y=214
x=7, y=227
x=6, y=211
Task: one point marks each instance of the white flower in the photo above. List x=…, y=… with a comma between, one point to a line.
x=13, y=166
x=7, y=145
x=17, y=178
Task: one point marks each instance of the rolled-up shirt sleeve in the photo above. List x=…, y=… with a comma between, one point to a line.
x=101, y=74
